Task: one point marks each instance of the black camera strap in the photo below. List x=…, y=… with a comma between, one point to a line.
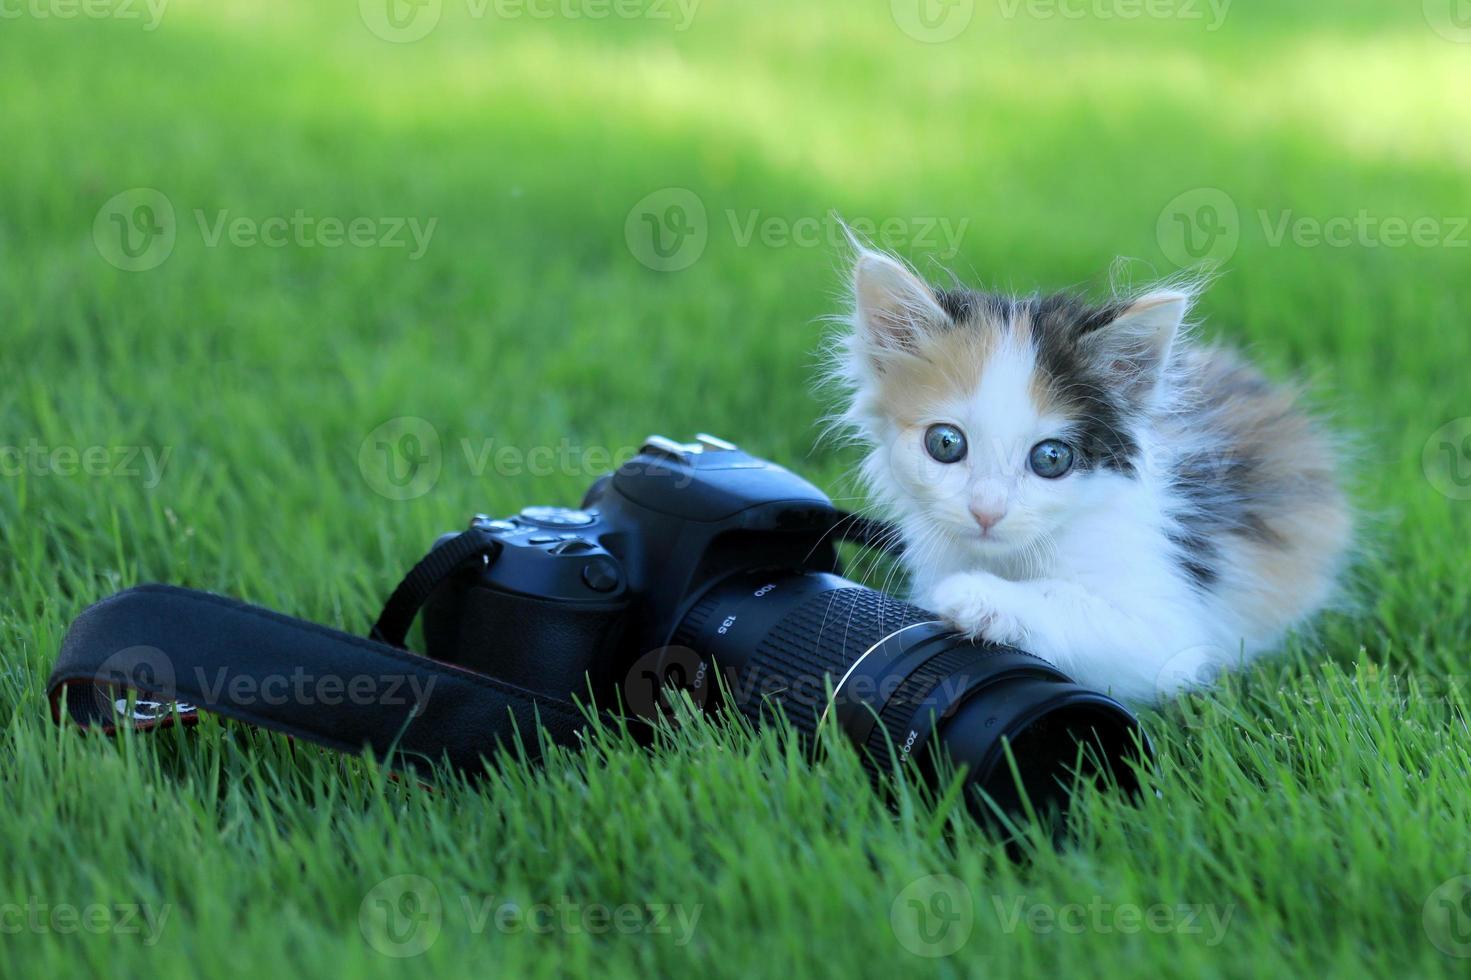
x=421, y=581
x=869, y=532
x=155, y=653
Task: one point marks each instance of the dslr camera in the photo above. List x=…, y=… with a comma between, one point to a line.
x=699, y=567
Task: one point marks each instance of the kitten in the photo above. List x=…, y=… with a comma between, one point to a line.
x=1087, y=483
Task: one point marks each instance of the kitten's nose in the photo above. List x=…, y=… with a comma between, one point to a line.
x=987, y=517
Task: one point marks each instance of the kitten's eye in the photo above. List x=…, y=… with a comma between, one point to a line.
x=1051, y=458
x=945, y=442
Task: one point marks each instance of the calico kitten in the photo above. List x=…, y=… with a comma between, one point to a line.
x=1086, y=482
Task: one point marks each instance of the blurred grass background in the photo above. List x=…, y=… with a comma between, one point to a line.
x=1324, y=796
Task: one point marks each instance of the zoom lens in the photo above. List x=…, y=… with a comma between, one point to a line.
x=904, y=687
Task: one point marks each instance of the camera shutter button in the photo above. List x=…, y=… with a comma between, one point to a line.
x=601, y=575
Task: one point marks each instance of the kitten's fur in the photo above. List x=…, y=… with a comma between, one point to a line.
x=1203, y=516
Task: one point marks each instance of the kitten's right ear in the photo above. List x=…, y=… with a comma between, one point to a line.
x=894, y=308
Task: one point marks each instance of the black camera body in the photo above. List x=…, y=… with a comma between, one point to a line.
x=701, y=567
x=578, y=595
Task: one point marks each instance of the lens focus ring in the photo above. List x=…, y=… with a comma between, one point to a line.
x=910, y=695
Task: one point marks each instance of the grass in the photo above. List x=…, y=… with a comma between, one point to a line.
x=1312, y=806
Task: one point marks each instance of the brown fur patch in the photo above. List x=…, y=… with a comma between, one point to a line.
x=947, y=364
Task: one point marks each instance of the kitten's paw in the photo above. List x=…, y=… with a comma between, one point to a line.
x=980, y=606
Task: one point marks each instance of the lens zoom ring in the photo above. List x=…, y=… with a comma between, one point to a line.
x=813, y=646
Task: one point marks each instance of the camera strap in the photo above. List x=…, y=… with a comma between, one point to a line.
x=156, y=653
x=869, y=532
x=443, y=561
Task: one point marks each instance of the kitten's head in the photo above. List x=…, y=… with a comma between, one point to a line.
x=995, y=420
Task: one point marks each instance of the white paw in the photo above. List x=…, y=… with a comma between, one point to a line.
x=981, y=606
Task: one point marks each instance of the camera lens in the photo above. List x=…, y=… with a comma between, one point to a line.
x=823, y=650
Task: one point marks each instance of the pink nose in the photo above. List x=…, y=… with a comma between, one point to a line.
x=987, y=518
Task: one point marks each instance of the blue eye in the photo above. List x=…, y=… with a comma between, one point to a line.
x=944, y=442
x=1051, y=458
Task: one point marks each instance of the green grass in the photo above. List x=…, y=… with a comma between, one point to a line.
x=1318, y=801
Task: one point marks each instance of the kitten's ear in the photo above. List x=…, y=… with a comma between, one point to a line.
x=1136, y=344
x=894, y=307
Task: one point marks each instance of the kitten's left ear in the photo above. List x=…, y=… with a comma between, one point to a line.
x=894, y=308
x=1136, y=344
